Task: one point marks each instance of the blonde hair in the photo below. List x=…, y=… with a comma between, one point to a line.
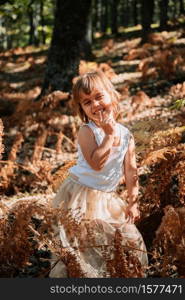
x=86, y=84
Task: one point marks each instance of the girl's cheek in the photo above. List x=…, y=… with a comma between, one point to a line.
x=107, y=103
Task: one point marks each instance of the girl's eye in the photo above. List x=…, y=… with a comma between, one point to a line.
x=87, y=102
x=99, y=97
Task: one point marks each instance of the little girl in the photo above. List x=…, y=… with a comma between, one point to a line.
x=106, y=152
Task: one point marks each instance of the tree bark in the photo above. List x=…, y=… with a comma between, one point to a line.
x=89, y=32
x=163, y=4
x=31, y=23
x=95, y=15
x=122, y=14
x=147, y=10
x=114, y=16
x=175, y=9
x=68, y=44
x=42, y=21
x=135, y=12
x=104, y=16
x=182, y=11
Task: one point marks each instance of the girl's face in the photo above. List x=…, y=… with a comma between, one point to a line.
x=95, y=103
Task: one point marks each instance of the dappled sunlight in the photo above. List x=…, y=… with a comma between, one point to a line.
x=38, y=137
x=11, y=68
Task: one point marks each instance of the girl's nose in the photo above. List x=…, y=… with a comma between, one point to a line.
x=95, y=103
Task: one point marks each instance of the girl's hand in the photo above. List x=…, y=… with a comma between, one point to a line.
x=132, y=213
x=107, y=122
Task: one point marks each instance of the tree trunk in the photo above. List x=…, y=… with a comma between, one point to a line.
x=67, y=45
x=147, y=10
x=42, y=21
x=89, y=34
x=125, y=13
x=135, y=12
x=104, y=16
x=182, y=11
x=122, y=13
x=36, y=21
x=95, y=15
x=163, y=14
x=31, y=23
x=87, y=42
x=114, y=16
x=175, y=3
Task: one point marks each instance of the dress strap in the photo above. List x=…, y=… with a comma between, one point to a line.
x=97, y=132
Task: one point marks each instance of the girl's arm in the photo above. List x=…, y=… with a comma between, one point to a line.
x=131, y=180
x=95, y=155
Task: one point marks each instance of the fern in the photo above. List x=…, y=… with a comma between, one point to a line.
x=178, y=104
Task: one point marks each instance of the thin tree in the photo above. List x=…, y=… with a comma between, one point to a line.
x=68, y=44
x=124, y=13
x=175, y=9
x=114, y=16
x=135, y=12
x=43, y=34
x=104, y=16
x=163, y=6
x=182, y=10
x=31, y=23
x=147, y=11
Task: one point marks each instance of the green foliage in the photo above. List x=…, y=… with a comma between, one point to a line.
x=23, y=21
x=178, y=104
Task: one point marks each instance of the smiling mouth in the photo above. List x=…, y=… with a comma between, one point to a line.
x=98, y=111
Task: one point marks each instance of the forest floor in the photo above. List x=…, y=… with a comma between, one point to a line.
x=40, y=140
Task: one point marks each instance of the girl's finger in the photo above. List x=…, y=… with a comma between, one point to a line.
x=108, y=120
x=106, y=113
x=101, y=116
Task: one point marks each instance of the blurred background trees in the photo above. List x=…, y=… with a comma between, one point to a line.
x=43, y=42
x=68, y=28
x=31, y=22
x=26, y=22
x=69, y=43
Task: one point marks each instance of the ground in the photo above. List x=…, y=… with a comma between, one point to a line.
x=40, y=137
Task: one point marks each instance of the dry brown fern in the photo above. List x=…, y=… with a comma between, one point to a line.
x=169, y=242
x=61, y=174
x=39, y=144
x=166, y=138
x=73, y=265
x=29, y=226
x=122, y=260
x=34, y=153
x=168, y=61
x=152, y=142
x=165, y=183
x=20, y=235
x=18, y=140
x=177, y=91
x=144, y=132
x=1, y=138
x=7, y=172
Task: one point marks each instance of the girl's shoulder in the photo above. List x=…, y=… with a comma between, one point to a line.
x=89, y=128
x=84, y=128
x=85, y=132
x=124, y=128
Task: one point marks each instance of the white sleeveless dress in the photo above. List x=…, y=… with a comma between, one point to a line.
x=92, y=216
